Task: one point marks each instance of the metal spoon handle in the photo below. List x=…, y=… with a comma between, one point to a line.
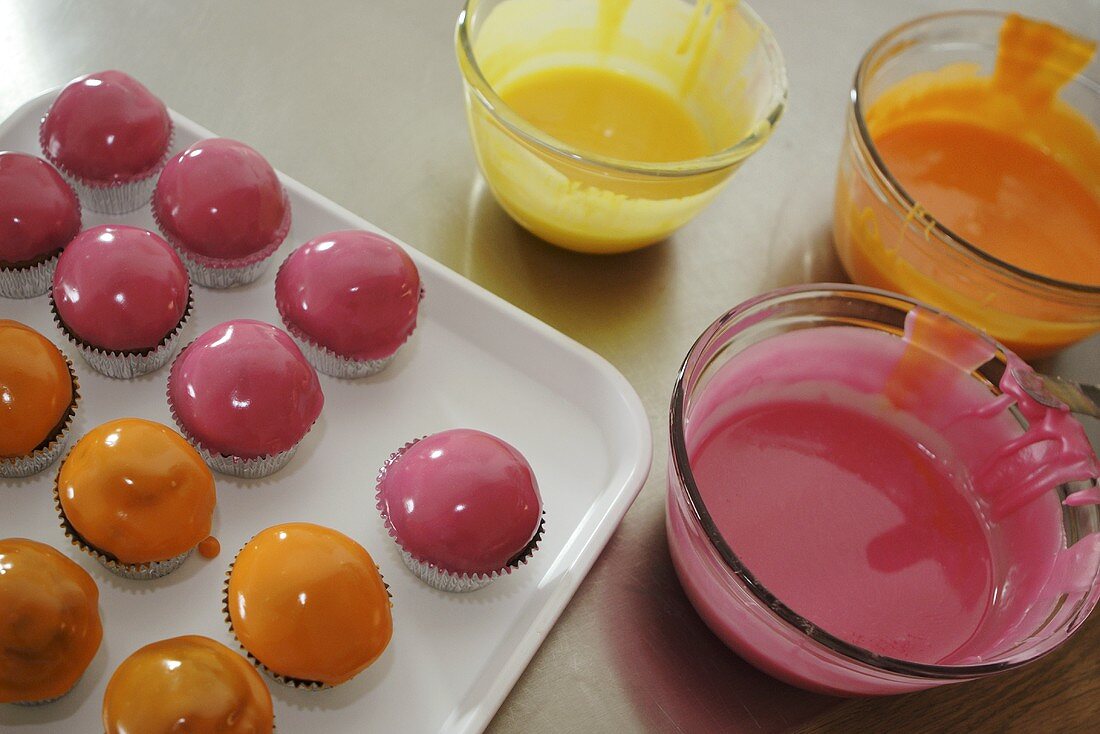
x=1056, y=392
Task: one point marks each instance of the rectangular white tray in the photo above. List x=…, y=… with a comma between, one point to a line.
x=474, y=361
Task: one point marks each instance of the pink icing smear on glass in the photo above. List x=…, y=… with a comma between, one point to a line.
x=882, y=493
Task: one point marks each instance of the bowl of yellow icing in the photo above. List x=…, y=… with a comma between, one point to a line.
x=602, y=126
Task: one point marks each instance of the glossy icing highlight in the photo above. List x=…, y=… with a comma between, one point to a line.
x=187, y=684
x=120, y=288
x=137, y=490
x=309, y=603
x=51, y=628
x=355, y=293
x=39, y=212
x=36, y=389
x=244, y=389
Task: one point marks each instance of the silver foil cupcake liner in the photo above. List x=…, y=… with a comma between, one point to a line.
x=235, y=466
x=332, y=364
x=126, y=365
x=28, y=282
x=212, y=273
x=43, y=702
x=24, y=466
x=136, y=571
x=433, y=575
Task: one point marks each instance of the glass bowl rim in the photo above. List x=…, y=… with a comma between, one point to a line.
x=713, y=162
x=896, y=193
x=680, y=464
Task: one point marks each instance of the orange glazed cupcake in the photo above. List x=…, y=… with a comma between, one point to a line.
x=191, y=684
x=308, y=605
x=49, y=622
x=136, y=496
x=38, y=397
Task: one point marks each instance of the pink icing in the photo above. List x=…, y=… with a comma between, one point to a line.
x=106, y=128
x=39, y=213
x=463, y=500
x=120, y=288
x=244, y=389
x=925, y=529
x=354, y=292
x=221, y=200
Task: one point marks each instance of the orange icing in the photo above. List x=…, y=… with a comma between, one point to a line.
x=210, y=547
x=36, y=389
x=49, y=621
x=187, y=684
x=137, y=490
x=308, y=602
x=1000, y=161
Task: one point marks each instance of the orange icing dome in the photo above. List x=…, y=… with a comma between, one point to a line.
x=36, y=389
x=49, y=621
x=136, y=490
x=309, y=604
x=191, y=684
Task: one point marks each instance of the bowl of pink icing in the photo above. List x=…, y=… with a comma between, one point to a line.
x=863, y=501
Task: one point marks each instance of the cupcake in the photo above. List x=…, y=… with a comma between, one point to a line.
x=49, y=607
x=187, y=684
x=134, y=495
x=463, y=506
x=39, y=397
x=308, y=605
x=121, y=296
x=222, y=206
x=109, y=136
x=350, y=300
x=39, y=216
x=245, y=396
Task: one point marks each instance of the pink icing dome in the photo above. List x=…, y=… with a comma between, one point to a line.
x=220, y=200
x=39, y=212
x=106, y=128
x=354, y=292
x=244, y=389
x=120, y=288
x=463, y=500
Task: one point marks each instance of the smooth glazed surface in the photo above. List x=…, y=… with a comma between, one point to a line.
x=244, y=389
x=49, y=621
x=36, y=389
x=137, y=490
x=881, y=493
x=462, y=500
x=120, y=288
x=39, y=212
x=187, y=684
x=353, y=292
x=308, y=602
x=221, y=200
x=106, y=128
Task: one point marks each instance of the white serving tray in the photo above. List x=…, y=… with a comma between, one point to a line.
x=474, y=361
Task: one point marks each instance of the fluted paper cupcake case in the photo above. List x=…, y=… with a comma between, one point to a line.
x=306, y=685
x=432, y=574
x=136, y=571
x=216, y=273
x=126, y=365
x=47, y=452
x=235, y=466
x=44, y=701
x=115, y=197
x=29, y=281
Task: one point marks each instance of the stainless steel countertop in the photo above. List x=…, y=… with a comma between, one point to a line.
x=362, y=101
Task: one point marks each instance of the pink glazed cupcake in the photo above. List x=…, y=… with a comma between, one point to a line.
x=463, y=506
x=109, y=136
x=245, y=396
x=350, y=300
x=39, y=216
x=121, y=296
x=222, y=206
